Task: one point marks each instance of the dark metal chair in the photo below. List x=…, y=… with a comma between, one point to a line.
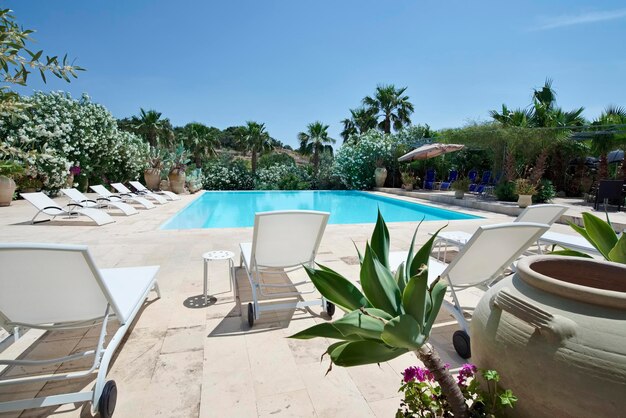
x=610, y=190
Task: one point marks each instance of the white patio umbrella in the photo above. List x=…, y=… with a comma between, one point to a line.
x=429, y=151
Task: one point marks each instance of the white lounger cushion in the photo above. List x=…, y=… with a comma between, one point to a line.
x=105, y=193
x=572, y=242
x=49, y=207
x=143, y=189
x=77, y=197
x=126, y=191
x=129, y=286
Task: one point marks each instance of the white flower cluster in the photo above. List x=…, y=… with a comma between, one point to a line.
x=65, y=132
x=355, y=164
x=228, y=175
x=281, y=176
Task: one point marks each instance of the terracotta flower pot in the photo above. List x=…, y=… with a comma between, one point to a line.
x=555, y=331
x=152, y=179
x=525, y=200
x=380, y=175
x=7, y=188
x=177, y=182
x=407, y=187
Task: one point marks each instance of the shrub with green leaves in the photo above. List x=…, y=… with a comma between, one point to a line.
x=355, y=163
x=282, y=177
x=392, y=315
x=545, y=192
x=505, y=191
x=227, y=174
x=268, y=160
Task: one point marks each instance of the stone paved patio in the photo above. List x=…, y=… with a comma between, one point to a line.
x=181, y=360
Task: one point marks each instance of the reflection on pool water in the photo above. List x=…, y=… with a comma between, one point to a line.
x=237, y=209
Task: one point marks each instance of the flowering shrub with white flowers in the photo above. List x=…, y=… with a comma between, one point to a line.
x=66, y=132
x=355, y=164
x=225, y=174
x=282, y=177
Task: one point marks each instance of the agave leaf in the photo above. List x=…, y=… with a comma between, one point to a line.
x=399, y=277
x=572, y=253
x=357, y=353
x=414, y=297
x=324, y=330
x=380, y=241
x=436, y=294
x=422, y=255
x=337, y=289
x=618, y=253
x=601, y=233
x=379, y=285
x=403, y=332
x=358, y=252
x=409, y=256
x=366, y=325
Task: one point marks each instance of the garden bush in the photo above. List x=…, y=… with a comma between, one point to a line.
x=268, y=160
x=355, y=163
x=545, y=192
x=227, y=174
x=505, y=191
x=282, y=177
x=65, y=132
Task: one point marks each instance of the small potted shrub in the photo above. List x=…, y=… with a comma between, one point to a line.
x=9, y=171
x=525, y=191
x=408, y=180
x=152, y=174
x=29, y=184
x=179, y=162
x=460, y=187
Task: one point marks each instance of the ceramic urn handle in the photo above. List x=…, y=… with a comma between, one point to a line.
x=555, y=327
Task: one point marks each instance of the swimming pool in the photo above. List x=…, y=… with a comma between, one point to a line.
x=237, y=209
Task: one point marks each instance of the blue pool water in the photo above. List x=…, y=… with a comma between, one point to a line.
x=237, y=209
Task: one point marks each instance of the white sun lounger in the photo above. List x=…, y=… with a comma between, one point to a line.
x=571, y=242
x=543, y=214
x=49, y=207
x=125, y=191
x=483, y=260
x=56, y=287
x=141, y=189
x=77, y=197
x=282, y=241
x=104, y=193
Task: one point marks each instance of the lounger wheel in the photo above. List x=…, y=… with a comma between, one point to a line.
x=250, y=314
x=461, y=342
x=330, y=308
x=108, y=399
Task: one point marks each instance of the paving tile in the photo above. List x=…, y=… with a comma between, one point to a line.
x=386, y=408
x=290, y=404
x=183, y=339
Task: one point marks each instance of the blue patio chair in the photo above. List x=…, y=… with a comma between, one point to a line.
x=452, y=176
x=484, y=181
x=429, y=180
x=496, y=180
x=472, y=178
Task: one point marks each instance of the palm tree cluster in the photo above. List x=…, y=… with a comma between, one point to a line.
x=315, y=141
x=541, y=113
x=388, y=108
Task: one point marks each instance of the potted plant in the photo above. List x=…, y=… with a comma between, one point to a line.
x=460, y=187
x=9, y=171
x=564, y=308
x=408, y=180
x=380, y=174
x=179, y=161
x=194, y=180
x=525, y=191
x=152, y=174
x=29, y=184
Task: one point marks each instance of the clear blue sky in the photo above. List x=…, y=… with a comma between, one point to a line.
x=288, y=63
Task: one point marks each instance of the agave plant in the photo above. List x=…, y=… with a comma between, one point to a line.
x=393, y=315
x=601, y=235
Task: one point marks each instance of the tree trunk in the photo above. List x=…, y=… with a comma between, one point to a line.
x=198, y=161
x=387, y=124
x=316, y=160
x=253, y=161
x=624, y=167
x=449, y=387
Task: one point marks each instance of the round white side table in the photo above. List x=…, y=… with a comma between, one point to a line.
x=217, y=256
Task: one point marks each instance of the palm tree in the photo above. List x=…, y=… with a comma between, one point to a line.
x=200, y=140
x=392, y=105
x=605, y=140
x=254, y=138
x=150, y=125
x=516, y=117
x=361, y=121
x=315, y=141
